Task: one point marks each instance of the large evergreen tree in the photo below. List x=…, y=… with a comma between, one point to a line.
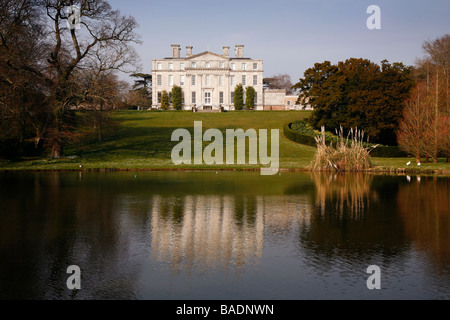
x=358, y=93
x=142, y=88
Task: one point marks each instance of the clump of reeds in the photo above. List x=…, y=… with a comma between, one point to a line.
x=349, y=154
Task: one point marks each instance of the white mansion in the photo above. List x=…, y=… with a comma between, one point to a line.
x=208, y=79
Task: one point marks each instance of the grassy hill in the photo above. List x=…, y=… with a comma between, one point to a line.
x=142, y=140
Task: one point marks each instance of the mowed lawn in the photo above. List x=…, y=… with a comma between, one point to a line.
x=142, y=140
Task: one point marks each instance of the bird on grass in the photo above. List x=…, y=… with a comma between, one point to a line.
x=409, y=163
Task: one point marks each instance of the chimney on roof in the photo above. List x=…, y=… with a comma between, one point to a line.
x=226, y=52
x=239, y=51
x=176, y=51
x=189, y=51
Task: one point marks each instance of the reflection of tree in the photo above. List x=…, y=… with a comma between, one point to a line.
x=58, y=220
x=424, y=205
x=343, y=226
x=349, y=193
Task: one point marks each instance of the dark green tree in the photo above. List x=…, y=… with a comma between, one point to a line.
x=249, y=98
x=177, y=99
x=143, y=89
x=144, y=80
x=239, y=97
x=358, y=93
x=164, y=100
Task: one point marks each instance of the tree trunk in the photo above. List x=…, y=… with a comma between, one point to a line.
x=57, y=150
x=100, y=122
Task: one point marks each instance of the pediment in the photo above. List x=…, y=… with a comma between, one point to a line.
x=207, y=56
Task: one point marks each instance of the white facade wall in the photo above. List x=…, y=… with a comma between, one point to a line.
x=213, y=78
x=274, y=98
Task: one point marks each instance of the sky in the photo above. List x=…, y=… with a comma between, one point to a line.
x=289, y=35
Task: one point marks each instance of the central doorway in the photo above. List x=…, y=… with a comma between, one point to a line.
x=207, y=101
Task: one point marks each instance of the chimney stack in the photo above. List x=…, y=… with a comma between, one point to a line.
x=239, y=51
x=176, y=51
x=226, y=52
x=189, y=51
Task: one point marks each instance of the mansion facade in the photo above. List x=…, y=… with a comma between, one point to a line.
x=207, y=79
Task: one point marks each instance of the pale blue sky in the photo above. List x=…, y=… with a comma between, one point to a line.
x=289, y=35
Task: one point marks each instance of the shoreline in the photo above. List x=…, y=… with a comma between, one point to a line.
x=394, y=171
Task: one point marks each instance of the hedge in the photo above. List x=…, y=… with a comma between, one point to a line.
x=298, y=137
x=388, y=152
x=378, y=152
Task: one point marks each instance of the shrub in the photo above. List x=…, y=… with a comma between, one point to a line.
x=164, y=100
x=249, y=98
x=177, y=98
x=238, y=97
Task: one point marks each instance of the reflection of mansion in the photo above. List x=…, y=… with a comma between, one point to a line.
x=208, y=80
x=220, y=231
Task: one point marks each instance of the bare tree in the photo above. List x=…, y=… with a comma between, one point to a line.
x=52, y=52
x=435, y=112
x=444, y=132
x=433, y=74
x=411, y=134
x=102, y=88
x=104, y=33
x=438, y=52
x=23, y=91
x=280, y=81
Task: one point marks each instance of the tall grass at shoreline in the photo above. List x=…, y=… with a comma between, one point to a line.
x=349, y=154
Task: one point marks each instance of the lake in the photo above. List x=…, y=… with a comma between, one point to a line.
x=223, y=235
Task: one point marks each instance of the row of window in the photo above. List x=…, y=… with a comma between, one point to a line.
x=207, y=80
x=207, y=65
x=207, y=97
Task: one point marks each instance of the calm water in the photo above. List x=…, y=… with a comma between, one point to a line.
x=223, y=236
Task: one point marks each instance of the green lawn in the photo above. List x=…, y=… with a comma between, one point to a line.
x=142, y=140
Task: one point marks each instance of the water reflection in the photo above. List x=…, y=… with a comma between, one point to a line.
x=50, y=222
x=207, y=231
x=349, y=194
x=293, y=236
x=353, y=217
x=424, y=206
